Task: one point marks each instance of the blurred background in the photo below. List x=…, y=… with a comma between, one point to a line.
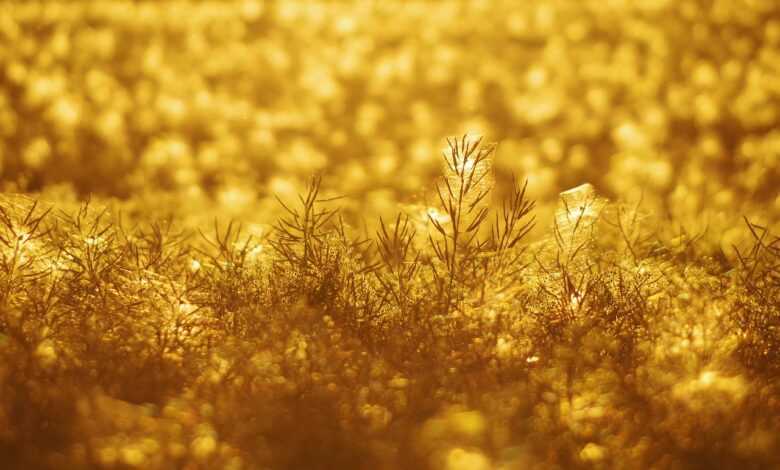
x=213, y=106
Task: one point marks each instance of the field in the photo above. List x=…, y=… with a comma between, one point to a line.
x=457, y=235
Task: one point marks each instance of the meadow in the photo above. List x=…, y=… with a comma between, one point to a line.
x=458, y=235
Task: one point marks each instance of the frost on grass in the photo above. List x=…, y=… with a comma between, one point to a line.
x=448, y=339
x=576, y=220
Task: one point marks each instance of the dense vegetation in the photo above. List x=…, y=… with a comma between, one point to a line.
x=227, y=240
x=452, y=343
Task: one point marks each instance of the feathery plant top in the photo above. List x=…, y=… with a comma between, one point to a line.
x=468, y=167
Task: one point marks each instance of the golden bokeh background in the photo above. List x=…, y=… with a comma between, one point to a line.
x=205, y=110
x=238, y=100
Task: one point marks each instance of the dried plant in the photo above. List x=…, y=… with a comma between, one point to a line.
x=459, y=244
x=400, y=259
x=20, y=261
x=511, y=226
x=226, y=281
x=757, y=309
x=301, y=236
x=461, y=197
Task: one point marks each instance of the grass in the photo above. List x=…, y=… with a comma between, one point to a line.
x=451, y=342
x=178, y=291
